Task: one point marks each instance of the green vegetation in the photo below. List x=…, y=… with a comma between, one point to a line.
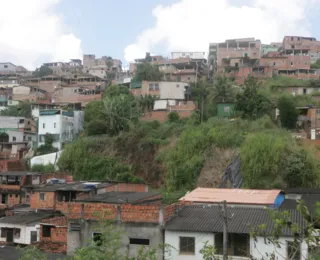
x=315, y=65
x=42, y=72
x=288, y=112
x=23, y=109
x=174, y=154
x=43, y=168
x=283, y=81
x=147, y=71
x=47, y=146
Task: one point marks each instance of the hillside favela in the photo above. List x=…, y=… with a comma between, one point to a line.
x=159, y=135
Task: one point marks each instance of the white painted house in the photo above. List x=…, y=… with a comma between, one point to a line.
x=22, y=228
x=63, y=126
x=196, y=224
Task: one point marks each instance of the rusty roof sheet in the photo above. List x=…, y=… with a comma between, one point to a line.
x=232, y=196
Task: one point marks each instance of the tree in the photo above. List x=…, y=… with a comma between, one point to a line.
x=47, y=147
x=109, y=62
x=222, y=90
x=120, y=111
x=173, y=117
x=93, y=111
x=23, y=109
x=301, y=170
x=42, y=71
x=288, y=112
x=96, y=127
x=147, y=71
x=315, y=65
x=262, y=156
x=250, y=103
x=116, y=90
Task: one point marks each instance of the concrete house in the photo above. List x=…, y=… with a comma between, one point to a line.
x=64, y=126
x=22, y=229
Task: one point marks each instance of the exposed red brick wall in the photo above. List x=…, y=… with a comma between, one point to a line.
x=13, y=199
x=12, y=165
x=57, y=221
x=140, y=213
x=162, y=116
x=170, y=210
x=48, y=203
x=59, y=234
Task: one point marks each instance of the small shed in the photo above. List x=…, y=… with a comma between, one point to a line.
x=225, y=109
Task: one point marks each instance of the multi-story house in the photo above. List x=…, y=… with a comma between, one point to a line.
x=240, y=58
x=104, y=63
x=18, y=135
x=63, y=126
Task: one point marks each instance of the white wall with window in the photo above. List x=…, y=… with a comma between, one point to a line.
x=187, y=245
x=22, y=234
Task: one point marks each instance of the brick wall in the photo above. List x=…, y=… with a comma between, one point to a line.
x=12, y=165
x=122, y=187
x=47, y=203
x=170, y=210
x=13, y=199
x=162, y=116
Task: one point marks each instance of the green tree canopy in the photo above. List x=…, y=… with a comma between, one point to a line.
x=42, y=71
x=93, y=111
x=250, y=103
x=288, y=112
x=23, y=109
x=147, y=71
x=96, y=127
x=116, y=90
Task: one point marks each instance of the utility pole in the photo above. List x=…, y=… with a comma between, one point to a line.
x=225, y=231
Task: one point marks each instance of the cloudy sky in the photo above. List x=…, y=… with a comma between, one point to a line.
x=37, y=31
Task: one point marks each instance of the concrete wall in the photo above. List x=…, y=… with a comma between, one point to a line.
x=172, y=238
x=7, y=67
x=46, y=158
x=25, y=232
x=11, y=122
x=258, y=249
x=21, y=90
x=153, y=232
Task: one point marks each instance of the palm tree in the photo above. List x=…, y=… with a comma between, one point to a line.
x=222, y=90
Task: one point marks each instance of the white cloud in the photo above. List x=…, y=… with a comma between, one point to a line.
x=190, y=25
x=31, y=32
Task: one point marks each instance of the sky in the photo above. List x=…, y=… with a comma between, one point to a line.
x=37, y=31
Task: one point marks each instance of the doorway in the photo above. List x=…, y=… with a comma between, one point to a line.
x=10, y=235
x=4, y=198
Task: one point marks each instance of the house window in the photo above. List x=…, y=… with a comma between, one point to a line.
x=54, y=125
x=14, y=138
x=318, y=111
x=3, y=232
x=43, y=125
x=16, y=233
x=274, y=64
x=17, y=195
x=156, y=86
x=298, y=38
x=21, y=121
x=46, y=231
x=178, y=86
x=188, y=78
x=151, y=87
x=238, y=244
x=42, y=196
x=187, y=245
x=139, y=241
x=291, y=63
x=5, y=66
x=291, y=38
x=292, y=46
x=304, y=91
x=29, y=138
x=97, y=238
x=293, y=250
x=33, y=236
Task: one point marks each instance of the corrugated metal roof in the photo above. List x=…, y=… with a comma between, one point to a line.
x=208, y=218
x=120, y=197
x=232, y=196
x=25, y=218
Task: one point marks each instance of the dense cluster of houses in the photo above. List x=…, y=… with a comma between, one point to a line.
x=59, y=215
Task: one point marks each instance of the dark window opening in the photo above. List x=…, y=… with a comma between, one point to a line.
x=14, y=138
x=304, y=91
x=238, y=244
x=3, y=232
x=292, y=46
x=42, y=196
x=4, y=198
x=46, y=231
x=97, y=239
x=5, y=66
x=187, y=245
x=33, y=236
x=16, y=233
x=274, y=64
x=139, y=241
x=236, y=64
x=66, y=196
x=17, y=195
x=293, y=250
x=21, y=121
